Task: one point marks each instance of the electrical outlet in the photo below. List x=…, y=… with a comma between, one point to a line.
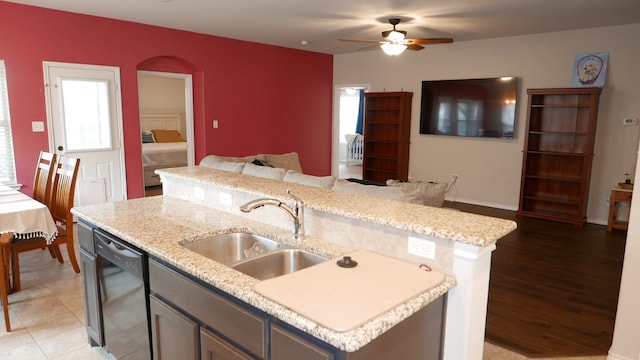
x=422, y=247
x=198, y=193
x=454, y=176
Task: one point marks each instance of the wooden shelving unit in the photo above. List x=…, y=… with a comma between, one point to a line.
x=387, y=125
x=558, y=153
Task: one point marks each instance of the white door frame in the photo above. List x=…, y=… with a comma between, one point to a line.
x=118, y=110
x=335, y=133
x=188, y=104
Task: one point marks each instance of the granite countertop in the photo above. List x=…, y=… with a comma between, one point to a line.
x=449, y=224
x=160, y=224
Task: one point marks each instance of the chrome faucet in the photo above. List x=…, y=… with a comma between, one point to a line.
x=296, y=212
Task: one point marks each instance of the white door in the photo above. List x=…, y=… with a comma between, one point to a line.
x=85, y=121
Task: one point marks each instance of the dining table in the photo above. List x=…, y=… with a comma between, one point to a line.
x=21, y=217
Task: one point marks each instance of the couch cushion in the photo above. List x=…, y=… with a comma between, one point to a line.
x=386, y=192
x=304, y=179
x=235, y=167
x=288, y=161
x=264, y=171
x=432, y=192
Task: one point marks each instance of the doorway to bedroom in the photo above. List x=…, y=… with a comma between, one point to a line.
x=166, y=123
x=349, y=141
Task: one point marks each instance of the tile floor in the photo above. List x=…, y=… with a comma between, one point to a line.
x=47, y=316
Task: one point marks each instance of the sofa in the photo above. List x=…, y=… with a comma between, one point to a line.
x=286, y=167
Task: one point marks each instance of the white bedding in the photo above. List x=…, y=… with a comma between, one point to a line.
x=154, y=154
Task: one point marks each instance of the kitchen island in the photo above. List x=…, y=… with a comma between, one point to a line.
x=200, y=202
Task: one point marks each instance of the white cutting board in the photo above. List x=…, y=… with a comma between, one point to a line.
x=345, y=298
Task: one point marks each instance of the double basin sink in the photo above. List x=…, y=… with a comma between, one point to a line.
x=254, y=255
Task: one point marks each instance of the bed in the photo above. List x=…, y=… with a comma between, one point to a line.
x=163, y=144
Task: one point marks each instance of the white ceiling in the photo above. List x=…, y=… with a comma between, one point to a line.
x=321, y=22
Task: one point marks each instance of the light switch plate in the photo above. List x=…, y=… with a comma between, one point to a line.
x=37, y=126
x=630, y=121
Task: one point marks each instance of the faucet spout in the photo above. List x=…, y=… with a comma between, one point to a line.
x=296, y=212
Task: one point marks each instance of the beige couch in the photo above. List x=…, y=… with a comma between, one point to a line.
x=286, y=167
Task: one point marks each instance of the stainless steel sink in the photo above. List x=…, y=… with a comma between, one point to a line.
x=233, y=247
x=278, y=263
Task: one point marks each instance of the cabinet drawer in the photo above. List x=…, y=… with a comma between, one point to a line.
x=236, y=323
x=622, y=195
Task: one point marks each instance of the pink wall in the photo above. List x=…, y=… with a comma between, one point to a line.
x=267, y=99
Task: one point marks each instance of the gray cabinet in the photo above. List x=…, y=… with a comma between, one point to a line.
x=174, y=335
x=244, y=331
x=232, y=330
x=90, y=285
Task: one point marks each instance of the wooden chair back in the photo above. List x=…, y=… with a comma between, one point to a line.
x=43, y=179
x=63, y=189
x=60, y=204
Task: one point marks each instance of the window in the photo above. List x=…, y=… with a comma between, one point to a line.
x=7, y=163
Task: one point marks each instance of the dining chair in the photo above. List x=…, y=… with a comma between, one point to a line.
x=44, y=177
x=5, y=246
x=42, y=182
x=62, y=196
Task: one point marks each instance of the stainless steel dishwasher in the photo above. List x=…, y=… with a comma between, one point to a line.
x=124, y=293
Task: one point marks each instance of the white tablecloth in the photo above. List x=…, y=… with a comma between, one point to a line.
x=24, y=216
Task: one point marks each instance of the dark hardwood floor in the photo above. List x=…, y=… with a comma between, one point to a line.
x=553, y=289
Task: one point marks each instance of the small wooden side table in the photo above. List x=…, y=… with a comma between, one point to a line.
x=618, y=196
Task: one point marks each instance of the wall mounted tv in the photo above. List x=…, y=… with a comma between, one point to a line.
x=469, y=107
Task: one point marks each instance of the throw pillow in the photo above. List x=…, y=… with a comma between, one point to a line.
x=288, y=161
x=147, y=137
x=432, y=192
x=164, y=136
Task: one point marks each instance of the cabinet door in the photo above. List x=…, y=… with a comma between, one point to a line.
x=92, y=298
x=286, y=345
x=174, y=335
x=213, y=347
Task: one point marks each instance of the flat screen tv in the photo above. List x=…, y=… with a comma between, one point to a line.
x=469, y=107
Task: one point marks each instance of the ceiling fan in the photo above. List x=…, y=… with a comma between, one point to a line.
x=395, y=41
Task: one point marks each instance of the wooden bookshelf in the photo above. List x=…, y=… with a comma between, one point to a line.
x=387, y=126
x=558, y=153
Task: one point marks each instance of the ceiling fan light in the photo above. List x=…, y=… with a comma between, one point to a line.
x=393, y=49
x=395, y=36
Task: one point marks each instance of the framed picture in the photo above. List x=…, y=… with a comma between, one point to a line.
x=590, y=69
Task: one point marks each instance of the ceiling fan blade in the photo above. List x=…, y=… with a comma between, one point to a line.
x=429, y=41
x=355, y=40
x=414, y=47
x=370, y=47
